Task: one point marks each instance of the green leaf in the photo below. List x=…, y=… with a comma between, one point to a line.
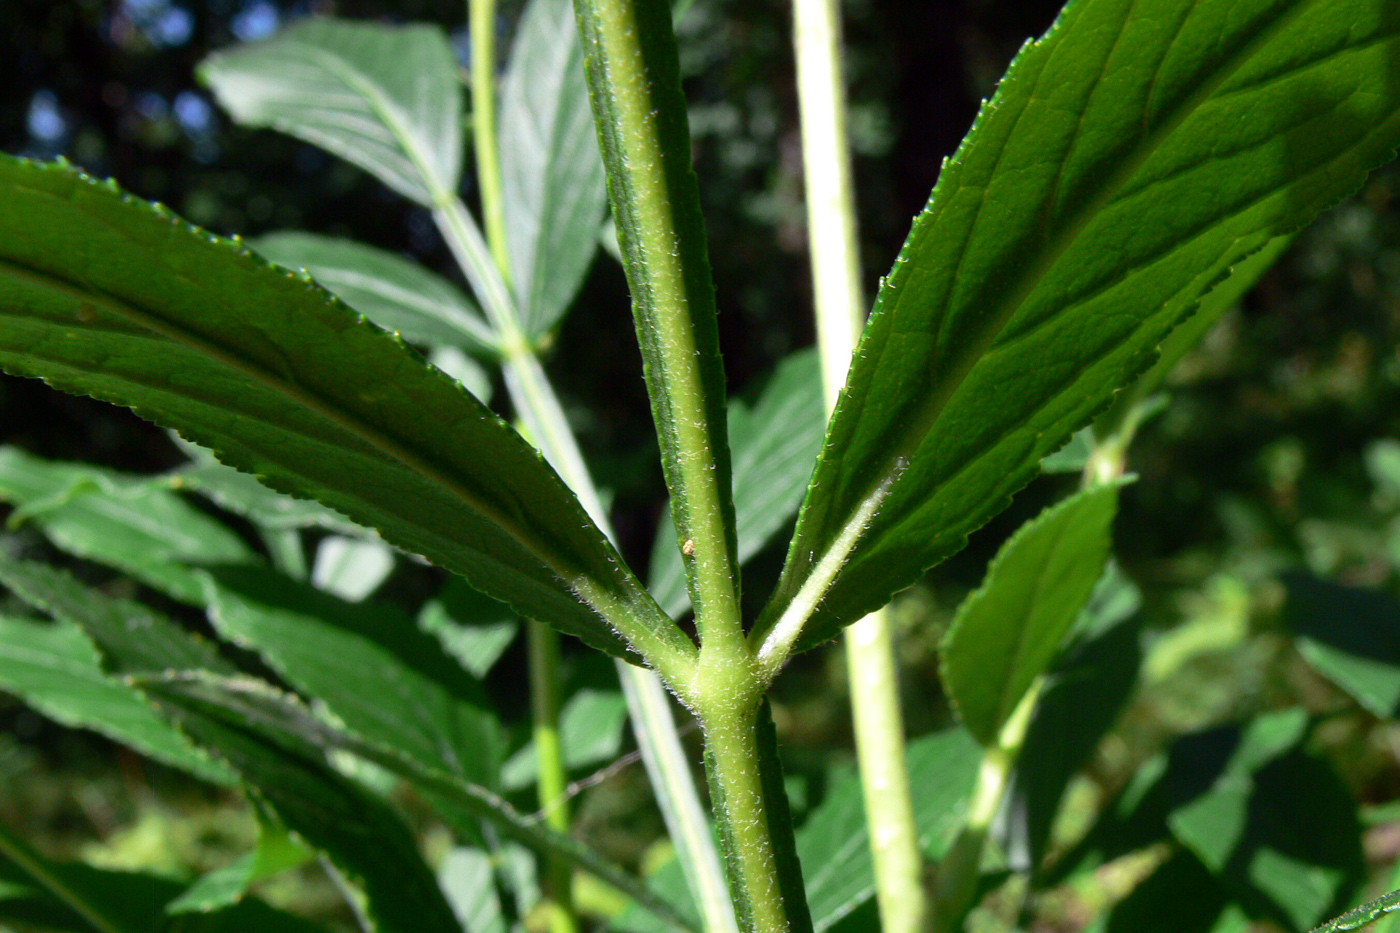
x=358, y=831
x=1351, y=636
x=834, y=843
x=473, y=628
x=71, y=896
x=276, y=853
x=107, y=296
x=552, y=187
x=348, y=88
x=351, y=568
x=394, y=293
x=243, y=495
x=1007, y=633
x=773, y=444
x=126, y=521
x=1181, y=896
x=1084, y=693
x=372, y=668
x=130, y=636
x=286, y=723
x=468, y=878
x=1362, y=916
x=590, y=732
x=1128, y=160
x=55, y=669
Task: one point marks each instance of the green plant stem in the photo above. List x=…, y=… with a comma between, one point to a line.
x=959, y=872
x=634, y=86
x=736, y=786
x=840, y=315
x=482, y=16
x=16, y=851
x=553, y=778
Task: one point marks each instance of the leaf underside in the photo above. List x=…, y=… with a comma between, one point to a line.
x=1127, y=161
x=104, y=295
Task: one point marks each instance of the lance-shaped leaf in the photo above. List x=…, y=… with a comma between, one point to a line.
x=359, y=832
x=371, y=666
x=125, y=521
x=385, y=98
x=283, y=722
x=104, y=295
x=55, y=669
x=773, y=444
x=393, y=292
x=1007, y=632
x=1127, y=161
x=552, y=190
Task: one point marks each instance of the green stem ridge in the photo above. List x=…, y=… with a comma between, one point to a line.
x=834, y=248
x=482, y=26
x=634, y=85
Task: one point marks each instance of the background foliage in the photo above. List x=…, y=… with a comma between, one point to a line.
x=1271, y=479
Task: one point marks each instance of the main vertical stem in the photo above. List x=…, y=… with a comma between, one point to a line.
x=870, y=661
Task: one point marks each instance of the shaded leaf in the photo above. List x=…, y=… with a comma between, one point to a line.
x=334, y=409
x=122, y=520
x=552, y=186
x=371, y=667
x=590, y=732
x=344, y=86
x=834, y=843
x=55, y=669
x=1128, y=160
x=393, y=292
x=1351, y=636
x=468, y=879
x=1008, y=631
x=473, y=628
x=276, y=852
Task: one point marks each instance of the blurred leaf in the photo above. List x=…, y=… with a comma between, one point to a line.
x=834, y=843
x=344, y=86
x=130, y=636
x=285, y=722
x=125, y=521
x=243, y=495
x=276, y=852
x=108, y=296
x=1073, y=457
x=1127, y=161
x=1181, y=896
x=1383, y=464
x=1083, y=695
x=473, y=628
x=351, y=568
x=552, y=185
x=1007, y=632
x=1351, y=636
x=394, y=293
x=773, y=445
x=56, y=670
x=77, y=898
x=371, y=667
x=590, y=732
x=359, y=832
x=468, y=880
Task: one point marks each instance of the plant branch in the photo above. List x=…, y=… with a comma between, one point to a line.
x=840, y=314
x=482, y=14
x=634, y=85
x=552, y=777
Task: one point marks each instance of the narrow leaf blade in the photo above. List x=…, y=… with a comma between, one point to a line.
x=1127, y=161
x=348, y=88
x=106, y=296
x=1007, y=633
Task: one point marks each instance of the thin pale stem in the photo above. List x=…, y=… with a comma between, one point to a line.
x=482, y=14
x=959, y=871
x=552, y=776
x=840, y=313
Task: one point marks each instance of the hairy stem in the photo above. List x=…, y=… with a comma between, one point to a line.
x=840, y=313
